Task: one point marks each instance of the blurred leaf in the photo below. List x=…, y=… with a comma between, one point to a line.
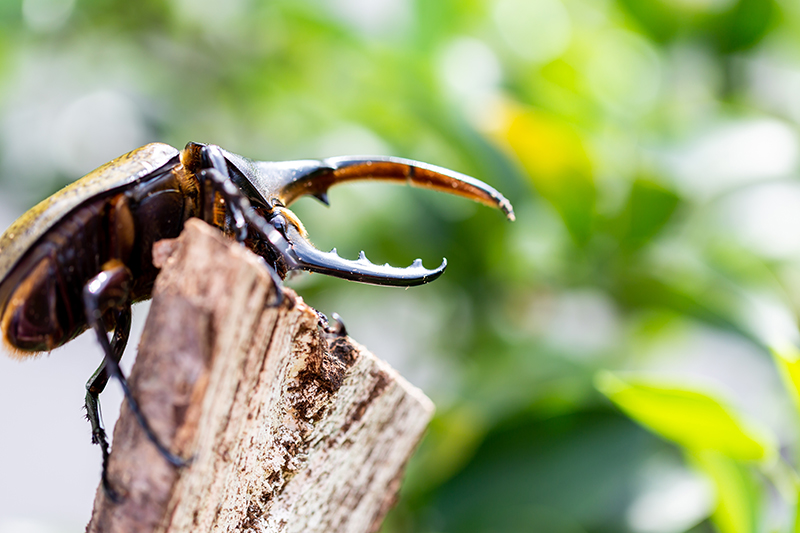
x=568, y=473
x=450, y=443
x=699, y=299
x=796, y=522
x=662, y=22
x=726, y=29
x=744, y=25
x=692, y=419
x=146, y=15
x=437, y=21
x=738, y=492
x=552, y=153
x=10, y=14
x=647, y=211
x=787, y=358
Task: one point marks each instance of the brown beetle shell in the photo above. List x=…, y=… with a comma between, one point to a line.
x=122, y=171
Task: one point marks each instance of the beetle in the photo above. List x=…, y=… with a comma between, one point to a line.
x=79, y=259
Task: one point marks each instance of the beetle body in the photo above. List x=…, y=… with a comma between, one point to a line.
x=80, y=258
x=50, y=253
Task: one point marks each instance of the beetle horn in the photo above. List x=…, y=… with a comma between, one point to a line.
x=289, y=180
x=336, y=170
x=307, y=257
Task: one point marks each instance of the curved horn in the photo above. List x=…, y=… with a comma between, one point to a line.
x=289, y=180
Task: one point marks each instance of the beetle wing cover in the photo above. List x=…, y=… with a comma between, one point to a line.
x=124, y=170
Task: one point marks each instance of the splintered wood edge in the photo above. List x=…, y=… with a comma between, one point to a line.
x=285, y=428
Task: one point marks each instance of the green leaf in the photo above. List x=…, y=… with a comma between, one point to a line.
x=787, y=358
x=796, y=525
x=694, y=420
x=660, y=21
x=647, y=211
x=561, y=474
x=726, y=30
x=738, y=493
x=685, y=293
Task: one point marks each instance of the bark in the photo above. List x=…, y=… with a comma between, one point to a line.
x=288, y=428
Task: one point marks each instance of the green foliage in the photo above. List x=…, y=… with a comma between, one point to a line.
x=727, y=26
x=695, y=420
x=648, y=209
x=739, y=494
x=557, y=474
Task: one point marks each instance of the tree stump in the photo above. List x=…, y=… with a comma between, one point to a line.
x=288, y=428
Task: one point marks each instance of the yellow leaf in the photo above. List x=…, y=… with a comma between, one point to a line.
x=549, y=149
x=552, y=153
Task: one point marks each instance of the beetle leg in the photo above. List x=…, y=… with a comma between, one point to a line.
x=109, y=290
x=96, y=385
x=219, y=182
x=216, y=179
x=336, y=329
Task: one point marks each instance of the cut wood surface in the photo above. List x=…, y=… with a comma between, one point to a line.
x=288, y=428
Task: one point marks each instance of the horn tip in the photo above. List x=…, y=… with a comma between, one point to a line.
x=506, y=207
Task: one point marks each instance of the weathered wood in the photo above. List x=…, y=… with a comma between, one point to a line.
x=288, y=429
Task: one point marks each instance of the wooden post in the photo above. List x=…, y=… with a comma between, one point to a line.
x=288, y=428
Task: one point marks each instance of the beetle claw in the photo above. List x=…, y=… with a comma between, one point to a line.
x=333, y=327
x=338, y=329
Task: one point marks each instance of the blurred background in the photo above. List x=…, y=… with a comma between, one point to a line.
x=620, y=359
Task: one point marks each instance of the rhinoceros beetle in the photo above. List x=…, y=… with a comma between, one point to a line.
x=80, y=258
